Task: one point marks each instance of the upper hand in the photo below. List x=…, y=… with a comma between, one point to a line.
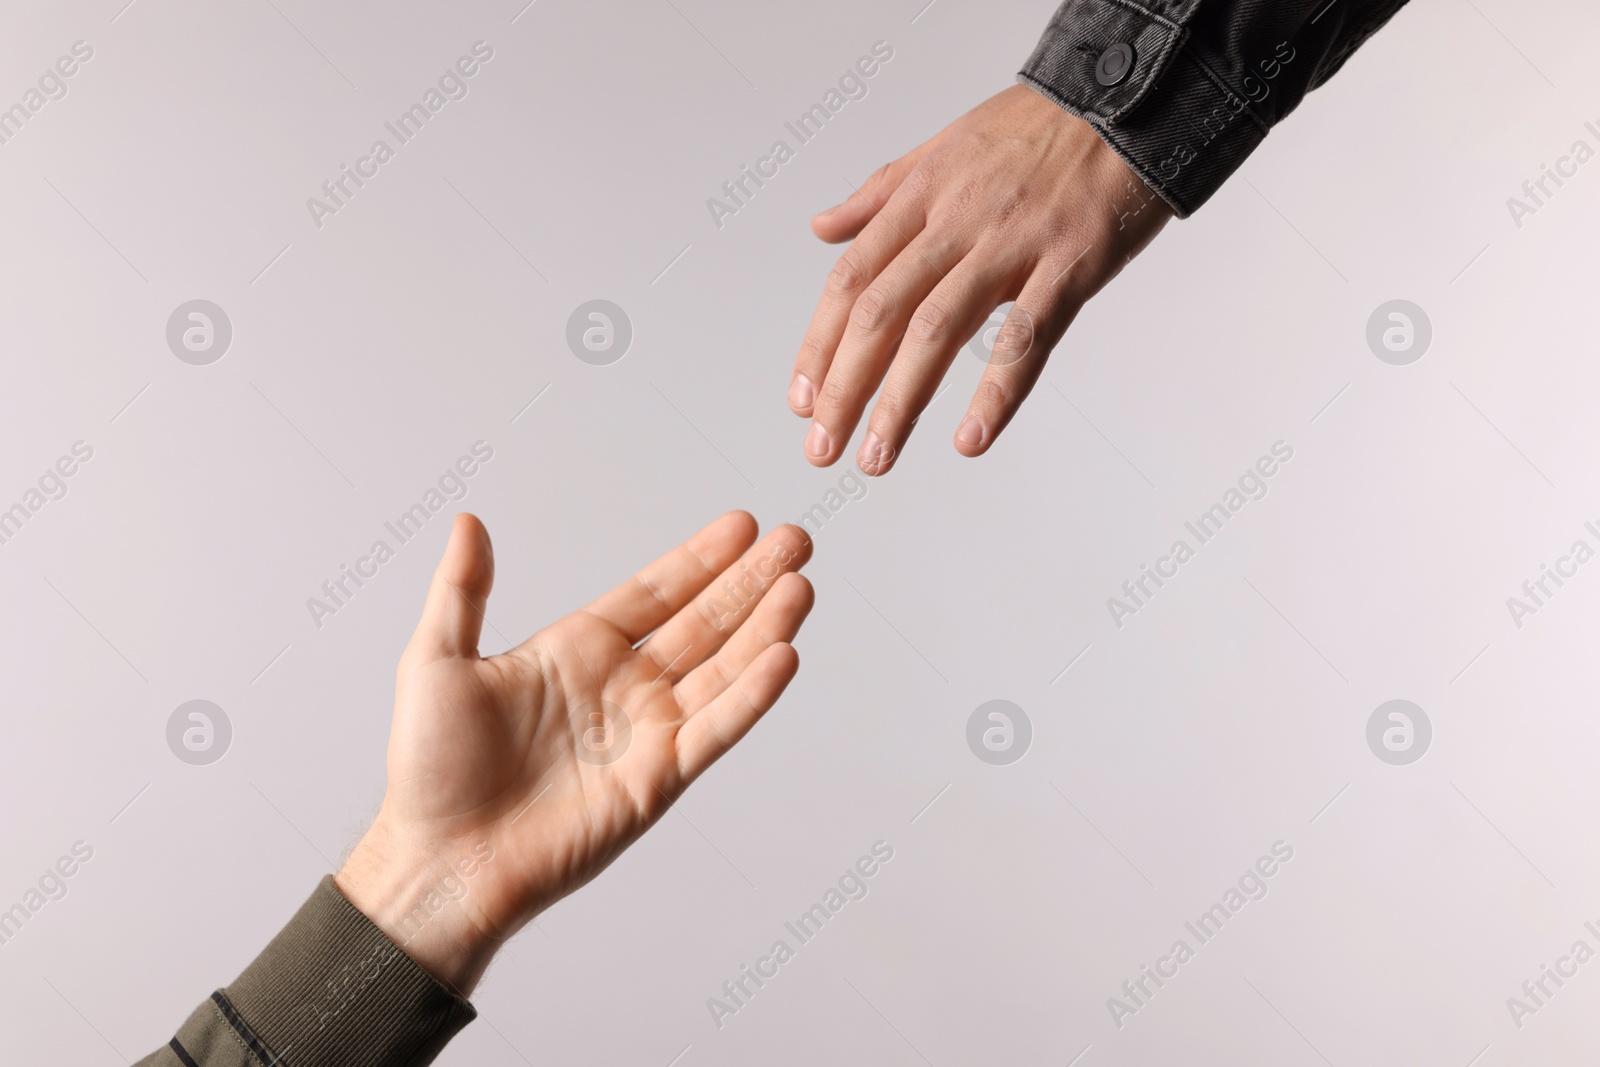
x=1016, y=200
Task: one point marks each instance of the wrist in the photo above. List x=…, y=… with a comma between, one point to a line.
x=420, y=897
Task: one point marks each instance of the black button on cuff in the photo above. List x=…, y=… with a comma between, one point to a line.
x=1115, y=64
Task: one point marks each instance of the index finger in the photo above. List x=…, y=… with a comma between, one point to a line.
x=884, y=238
x=644, y=602
x=694, y=634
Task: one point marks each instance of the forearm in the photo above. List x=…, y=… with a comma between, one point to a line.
x=1184, y=91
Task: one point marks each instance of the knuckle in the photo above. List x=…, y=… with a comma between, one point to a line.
x=1058, y=236
x=873, y=310
x=893, y=406
x=932, y=323
x=836, y=394
x=1060, y=247
x=994, y=395
x=814, y=351
x=1067, y=271
x=725, y=673
x=921, y=181
x=653, y=591
x=964, y=200
x=1015, y=339
x=847, y=276
x=1008, y=204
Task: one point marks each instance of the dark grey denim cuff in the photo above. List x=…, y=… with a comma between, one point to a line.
x=1171, y=119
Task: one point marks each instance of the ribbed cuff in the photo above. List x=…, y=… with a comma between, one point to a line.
x=332, y=989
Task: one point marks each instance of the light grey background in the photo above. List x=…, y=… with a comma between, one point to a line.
x=1227, y=715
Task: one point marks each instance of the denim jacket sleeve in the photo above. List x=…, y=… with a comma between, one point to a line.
x=331, y=990
x=1184, y=90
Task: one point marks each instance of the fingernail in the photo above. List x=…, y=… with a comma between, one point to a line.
x=875, y=455
x=970, y=433
x=817, y=441
x=802, y=394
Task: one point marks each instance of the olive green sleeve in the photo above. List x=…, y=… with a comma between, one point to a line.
x=331, y=990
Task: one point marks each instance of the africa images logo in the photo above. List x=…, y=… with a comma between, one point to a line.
x=737, y=192
x=338, y=191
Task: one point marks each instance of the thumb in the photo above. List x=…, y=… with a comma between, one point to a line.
x=843, y=221
x=452, y=619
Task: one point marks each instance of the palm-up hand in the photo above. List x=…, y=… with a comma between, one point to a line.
x=516, y=778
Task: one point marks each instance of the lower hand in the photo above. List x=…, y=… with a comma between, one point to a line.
x=513, y=779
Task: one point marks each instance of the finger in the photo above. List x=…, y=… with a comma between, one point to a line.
x=862, y=262
x=706, y=736
x=694, y=634
x=876, y=322
x=777, y=619
x=843, y=221
x=452, y=618
x=651, y=597
x=955, y=310
x=1031, y=331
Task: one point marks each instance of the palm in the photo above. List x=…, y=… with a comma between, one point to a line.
x=562, y=751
